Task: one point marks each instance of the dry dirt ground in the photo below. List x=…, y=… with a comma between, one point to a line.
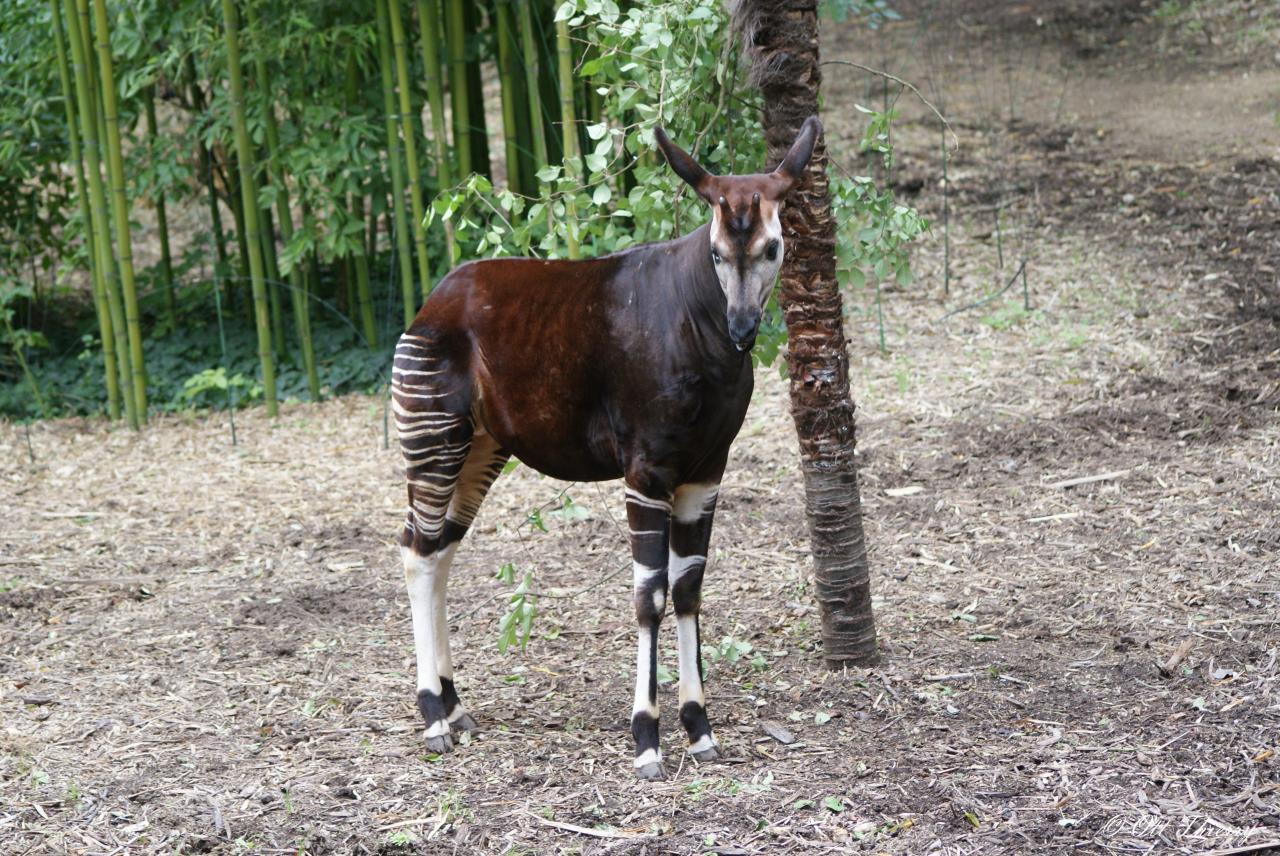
x=205, y=648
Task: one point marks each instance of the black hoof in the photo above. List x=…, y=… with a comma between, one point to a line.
x=440, y=744
x=711, y=754
x=463, y=723
x=651, y=772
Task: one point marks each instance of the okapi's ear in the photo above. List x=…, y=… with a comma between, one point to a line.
x=684, y=165
x=793, y=165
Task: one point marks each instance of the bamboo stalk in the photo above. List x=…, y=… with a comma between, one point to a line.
x=479, y=130
x=364, y=291
x=429, y=33
x=77, y=23
x=204, y=164
x=410, y=146
x=456, y=45
x=267, y=235
x=528, y=185
x=376, y=191
x=564, y=52
x=355, y=204
x=162, y=220
x=120, y=211
x=86, y=216
x=533, y=73
x=507, y=76
x=248, y=199
x=235, y=195
x=302, y=311
x=111, y=274
x=297, y=286
x=393, y=155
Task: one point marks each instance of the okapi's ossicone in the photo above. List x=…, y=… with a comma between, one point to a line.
x=634, y=365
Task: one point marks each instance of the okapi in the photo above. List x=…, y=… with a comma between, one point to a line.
x=634, y=365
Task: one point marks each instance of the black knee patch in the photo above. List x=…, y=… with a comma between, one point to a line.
x=693, y=717
x=647, y=612
x=686, y=594
x=431, y=706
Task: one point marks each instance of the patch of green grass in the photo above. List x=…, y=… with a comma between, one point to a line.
x=1009, y=315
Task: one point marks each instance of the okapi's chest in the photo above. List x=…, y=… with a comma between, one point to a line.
x=585, y=369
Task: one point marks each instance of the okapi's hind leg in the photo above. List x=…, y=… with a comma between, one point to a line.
x=482, y=466
x=432, y=405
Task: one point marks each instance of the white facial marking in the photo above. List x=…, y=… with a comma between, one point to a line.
x=749, y=288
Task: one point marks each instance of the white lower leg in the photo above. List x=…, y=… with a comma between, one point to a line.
x=425, y=577
x=691, y=675
x=644, y=703
x=440, y=626
x=641, y=702
x=690, y=678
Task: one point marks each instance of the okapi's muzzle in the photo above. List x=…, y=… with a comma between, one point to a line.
x=743, y=327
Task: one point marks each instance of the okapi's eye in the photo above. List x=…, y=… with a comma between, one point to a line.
x=771, y=250
x=715, y=257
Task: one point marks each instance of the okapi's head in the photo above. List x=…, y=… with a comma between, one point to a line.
x=746, y=234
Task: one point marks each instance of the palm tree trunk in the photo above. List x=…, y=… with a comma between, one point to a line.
x=783, y=42
x=120, y=209
x=86, y=217
x=249, y=204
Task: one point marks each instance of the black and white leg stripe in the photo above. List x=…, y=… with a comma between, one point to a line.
x=648, y=518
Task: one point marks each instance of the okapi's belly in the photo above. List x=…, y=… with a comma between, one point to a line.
x=562, y=447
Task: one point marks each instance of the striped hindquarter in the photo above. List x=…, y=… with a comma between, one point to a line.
x=449, y=466
x=669, y=538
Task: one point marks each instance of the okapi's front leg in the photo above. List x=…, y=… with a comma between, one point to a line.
x=648, y=518
x=693, y=509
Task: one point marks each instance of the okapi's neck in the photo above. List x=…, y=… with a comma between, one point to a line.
x=697, y=290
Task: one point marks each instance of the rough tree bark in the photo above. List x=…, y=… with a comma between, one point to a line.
x=781, y=37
